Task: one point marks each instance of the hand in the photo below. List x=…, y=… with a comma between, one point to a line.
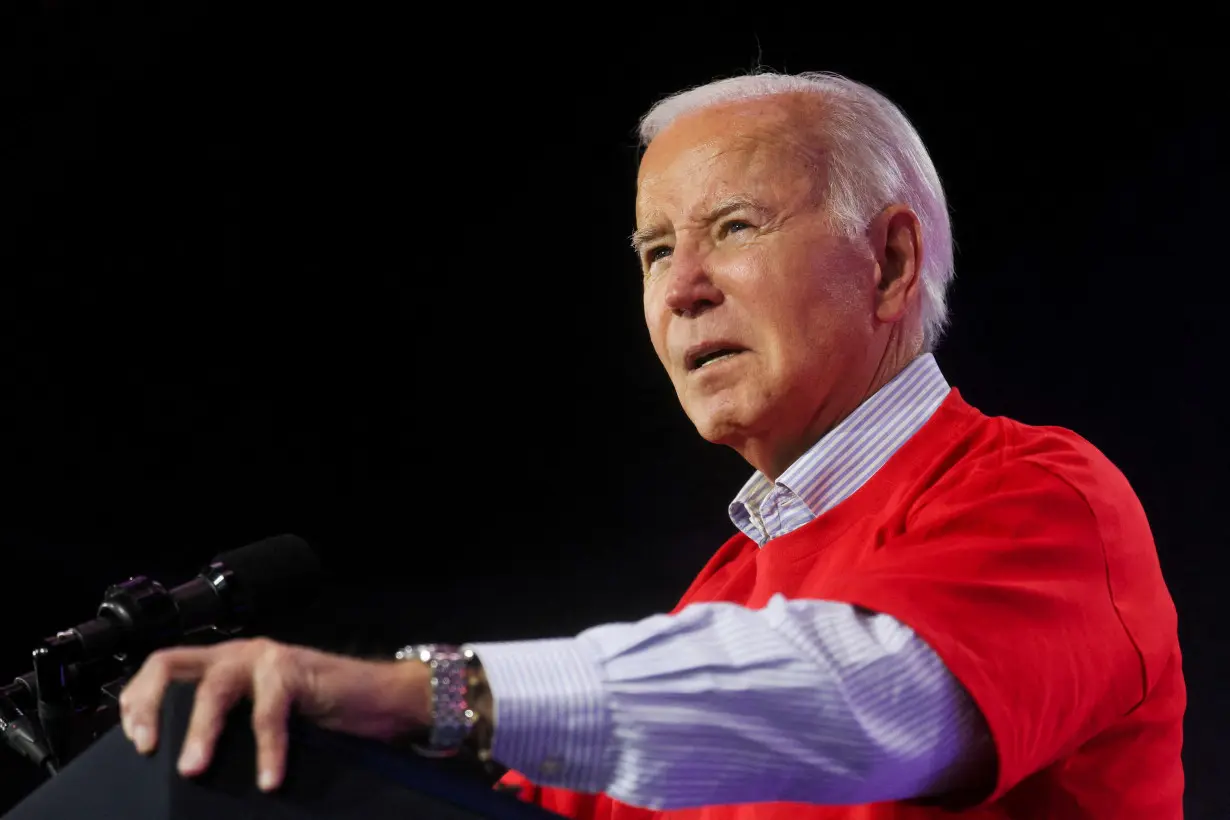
x=381, y=700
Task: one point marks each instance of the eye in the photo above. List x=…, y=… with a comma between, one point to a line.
x=733, y=226
x=656, y=252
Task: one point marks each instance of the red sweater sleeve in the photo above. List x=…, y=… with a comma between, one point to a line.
x=1020, y=581
x=573, y=804
x=569, y=804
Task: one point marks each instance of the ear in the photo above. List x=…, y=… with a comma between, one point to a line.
x=896, y=242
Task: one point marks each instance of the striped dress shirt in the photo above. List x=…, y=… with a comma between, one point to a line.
x=844, y=705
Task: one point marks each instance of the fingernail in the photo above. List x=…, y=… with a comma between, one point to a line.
x=267, y=780
x=190, y=758
x=141, y=738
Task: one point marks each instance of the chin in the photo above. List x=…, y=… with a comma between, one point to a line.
x=720, y=426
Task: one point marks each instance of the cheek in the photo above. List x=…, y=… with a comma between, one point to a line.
x=808, y=321
x=655, y=325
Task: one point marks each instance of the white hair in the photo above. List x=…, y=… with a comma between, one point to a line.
x=875, y=158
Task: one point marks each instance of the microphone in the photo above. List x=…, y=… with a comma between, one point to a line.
x=140, y=615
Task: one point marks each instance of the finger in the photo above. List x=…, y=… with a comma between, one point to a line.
x=220, y=688
x=141, y=700
x=272, y=698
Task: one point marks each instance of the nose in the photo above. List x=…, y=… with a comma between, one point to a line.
x=690, y=289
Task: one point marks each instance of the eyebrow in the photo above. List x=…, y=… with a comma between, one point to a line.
x=644, y=236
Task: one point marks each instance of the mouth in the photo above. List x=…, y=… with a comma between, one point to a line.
x=706, y=355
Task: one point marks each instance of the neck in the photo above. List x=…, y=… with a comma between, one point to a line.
x=773, y=455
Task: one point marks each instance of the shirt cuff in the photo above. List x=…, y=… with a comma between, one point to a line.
x=552, y=721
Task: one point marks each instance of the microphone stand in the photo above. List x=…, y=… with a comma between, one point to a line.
x=68, y=688
x=77, y=677
x=79, y=672
x=26, y=736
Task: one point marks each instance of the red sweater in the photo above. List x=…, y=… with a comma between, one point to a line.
x=1022, y=556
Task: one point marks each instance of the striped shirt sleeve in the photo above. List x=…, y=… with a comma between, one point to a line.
x=801, y=701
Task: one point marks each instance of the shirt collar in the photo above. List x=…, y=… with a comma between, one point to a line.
x=849, y=454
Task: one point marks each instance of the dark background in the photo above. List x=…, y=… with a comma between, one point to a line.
x=366, y=279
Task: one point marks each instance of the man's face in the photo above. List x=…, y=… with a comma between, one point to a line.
x=761, y=316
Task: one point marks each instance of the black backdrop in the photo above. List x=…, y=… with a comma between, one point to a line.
x=366, y=279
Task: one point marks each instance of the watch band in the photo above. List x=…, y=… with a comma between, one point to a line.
x=452, y=717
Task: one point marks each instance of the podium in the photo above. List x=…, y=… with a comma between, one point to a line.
x=329, y=776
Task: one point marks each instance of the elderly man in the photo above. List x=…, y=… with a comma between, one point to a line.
x=925, y=609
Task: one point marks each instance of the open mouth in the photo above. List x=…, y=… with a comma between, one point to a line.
x=704, y=358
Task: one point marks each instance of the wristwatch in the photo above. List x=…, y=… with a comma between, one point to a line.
x=456, y=675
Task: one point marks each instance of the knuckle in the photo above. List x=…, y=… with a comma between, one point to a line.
x=257, y=652
x=274, y=662
x=273, y=653
x=260, y=645
x=156, y=662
